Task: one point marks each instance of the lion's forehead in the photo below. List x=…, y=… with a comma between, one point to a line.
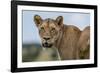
x=49, y=23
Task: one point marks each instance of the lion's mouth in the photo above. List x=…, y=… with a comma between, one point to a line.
x=47, y=45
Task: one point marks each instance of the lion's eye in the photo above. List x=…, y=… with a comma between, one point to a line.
x=42, y=29
x=53, y=30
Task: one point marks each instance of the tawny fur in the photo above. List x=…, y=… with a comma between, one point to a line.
x=84, y=43
x=69, y=40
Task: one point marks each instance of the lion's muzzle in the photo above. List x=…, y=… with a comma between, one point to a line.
x=47, y=45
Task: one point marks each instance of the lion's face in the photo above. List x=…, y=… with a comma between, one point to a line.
x=49, y=30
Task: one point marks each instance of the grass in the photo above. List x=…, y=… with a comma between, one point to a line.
x=34, y=52
x=31, y=53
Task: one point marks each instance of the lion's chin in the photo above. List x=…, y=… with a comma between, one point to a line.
x=46, y=45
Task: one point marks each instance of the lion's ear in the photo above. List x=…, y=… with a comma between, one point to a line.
x=37, y=20
x=59, y=20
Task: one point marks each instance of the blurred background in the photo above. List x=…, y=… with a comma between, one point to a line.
x=32, y=50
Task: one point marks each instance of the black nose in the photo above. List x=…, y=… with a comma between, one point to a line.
x=46, y=38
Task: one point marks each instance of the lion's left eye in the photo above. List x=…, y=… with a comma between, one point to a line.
x=53, y=30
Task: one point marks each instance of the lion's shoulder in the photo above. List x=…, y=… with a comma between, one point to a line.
x=71, y=28
x=68, y=43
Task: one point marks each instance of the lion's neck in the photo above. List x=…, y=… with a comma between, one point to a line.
x=58, y=41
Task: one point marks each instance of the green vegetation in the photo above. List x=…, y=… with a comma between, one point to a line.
x=34, y=52
x=85, y=54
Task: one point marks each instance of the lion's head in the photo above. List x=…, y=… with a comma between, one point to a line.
x=49, y=29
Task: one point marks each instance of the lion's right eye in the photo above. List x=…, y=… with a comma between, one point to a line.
x=42, y=29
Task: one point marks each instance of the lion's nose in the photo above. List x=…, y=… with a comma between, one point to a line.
x=46, y=38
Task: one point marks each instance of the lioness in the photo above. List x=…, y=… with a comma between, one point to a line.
x=54, y=33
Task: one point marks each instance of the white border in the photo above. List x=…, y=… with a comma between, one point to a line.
x=52, y=63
